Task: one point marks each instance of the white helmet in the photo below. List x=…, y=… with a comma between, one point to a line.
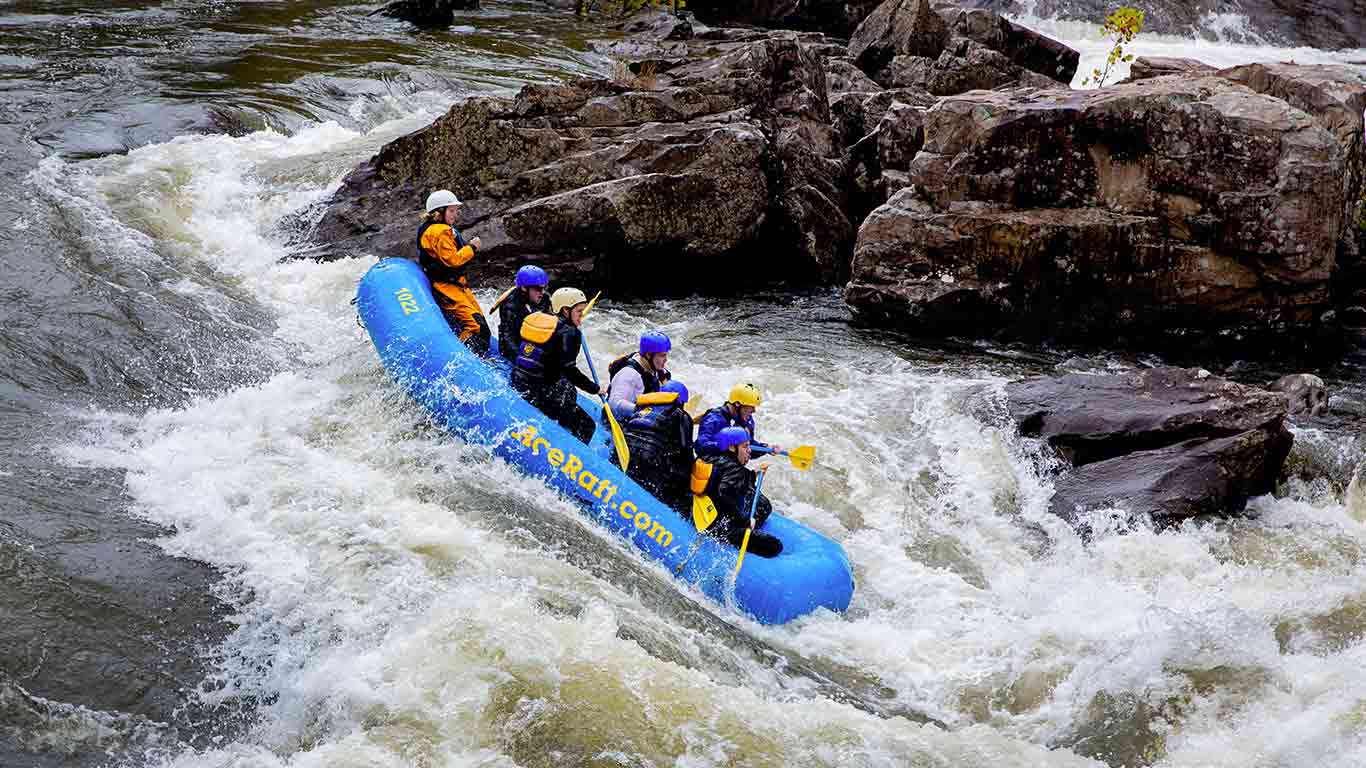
x=566, y=297
x=440, y=199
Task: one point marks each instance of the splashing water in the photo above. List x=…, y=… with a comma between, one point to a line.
x=399, y=598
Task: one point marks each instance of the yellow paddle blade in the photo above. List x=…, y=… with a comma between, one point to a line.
x=589, y=308
x=741, y=559
x=802, y=457
x=703, y=512
x=618, y=439
x=500, y=300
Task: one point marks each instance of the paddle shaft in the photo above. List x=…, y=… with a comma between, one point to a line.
x=753, y=507
x=618, y=439
x=500, y=301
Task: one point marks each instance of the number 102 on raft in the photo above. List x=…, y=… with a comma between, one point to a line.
x=406, y=300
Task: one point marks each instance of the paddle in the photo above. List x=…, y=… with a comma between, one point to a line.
x=802, y=457
x=589, y=308
x=501, y=299
x=703, y=512
x=753, y=506
x=618, y=439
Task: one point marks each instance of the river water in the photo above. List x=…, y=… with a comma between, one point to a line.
x=227, y=540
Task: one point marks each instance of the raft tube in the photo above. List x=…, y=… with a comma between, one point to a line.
x=474, y=401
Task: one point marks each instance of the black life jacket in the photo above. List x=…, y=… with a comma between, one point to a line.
x=511, y=314
x=531, y=367
x=652, y=380
x=655, y=436
x=437, y=270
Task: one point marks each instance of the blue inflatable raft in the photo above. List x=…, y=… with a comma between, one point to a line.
x=474, y=401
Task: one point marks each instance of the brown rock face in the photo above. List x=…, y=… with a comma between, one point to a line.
x=898, y=28
x=1167, y=204
x=728, y=151
x=1167, y=442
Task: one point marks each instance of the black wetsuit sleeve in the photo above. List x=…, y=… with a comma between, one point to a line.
x=732, y=495
x=510, y=316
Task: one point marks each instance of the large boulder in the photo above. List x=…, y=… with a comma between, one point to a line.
x=833, y=17
x=1335, y=96
x=721, y=151
x=1162, y=206
x=1164, y=442
x=898, y=28
x=947, y=50
x=1022, y=46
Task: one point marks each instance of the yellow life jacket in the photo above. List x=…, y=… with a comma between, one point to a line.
x=701, y=475
x=656, y=398
x=538, y=327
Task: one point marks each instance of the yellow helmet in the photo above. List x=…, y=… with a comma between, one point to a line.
x=744, y=394
x=566, y=297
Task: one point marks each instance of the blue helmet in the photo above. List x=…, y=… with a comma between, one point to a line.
x=732, y=436
x=675, y=386
x=532, y=277
x=654, y=342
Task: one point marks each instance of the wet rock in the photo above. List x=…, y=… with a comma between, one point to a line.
x=1090, y=417
x=965, y=65
x=1148, y=67
x=1170, y=205
x=1022, y=46
x=427, y=13
x=898, y=28
x=833, y=17
x=1335, y=96
x=726, y=149
x=1304, y=393
x=1166, y=442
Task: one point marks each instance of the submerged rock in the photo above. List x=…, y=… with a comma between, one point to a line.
x=427, y=13
x=1304, y=393
x=1166, y=442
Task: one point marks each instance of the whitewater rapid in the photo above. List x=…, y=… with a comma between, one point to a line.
x=401, y=599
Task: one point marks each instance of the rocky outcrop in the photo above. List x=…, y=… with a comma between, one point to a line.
x=1335, y=96
x=898, y=28
x=1316, y=23
x=1167, y=205
x=946, y=50
x=833, y=17
x=725, y=152
x=427, y=13
x=1167, y=443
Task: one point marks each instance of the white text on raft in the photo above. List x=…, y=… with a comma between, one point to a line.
x=572, y=465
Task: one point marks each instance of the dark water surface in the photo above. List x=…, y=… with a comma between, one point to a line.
x=363, y=574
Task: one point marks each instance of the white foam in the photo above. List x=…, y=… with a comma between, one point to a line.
x=401, y=599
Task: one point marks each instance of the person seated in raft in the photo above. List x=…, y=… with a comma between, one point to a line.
x=443, y=253
x=639, y=373
x=730, y=485
x=528, y=296
x=659, y=436
x=546, y=369
x=737, y=411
